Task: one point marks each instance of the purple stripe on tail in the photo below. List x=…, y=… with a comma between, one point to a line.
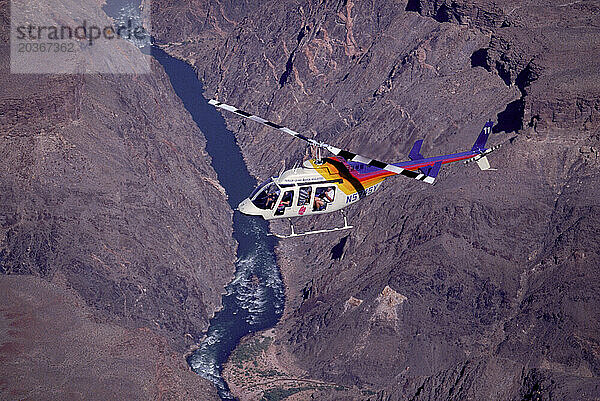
x=479, y=145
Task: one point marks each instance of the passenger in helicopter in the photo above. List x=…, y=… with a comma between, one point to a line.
x=286, y=201
x=323, y=196
x=304, y=196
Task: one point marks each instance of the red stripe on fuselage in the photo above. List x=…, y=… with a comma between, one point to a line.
x=414, y=166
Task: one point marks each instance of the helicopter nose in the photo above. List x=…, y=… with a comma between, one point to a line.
x=247, y=207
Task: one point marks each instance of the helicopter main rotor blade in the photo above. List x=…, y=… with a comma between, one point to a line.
x=270, y=124
x=335, y=150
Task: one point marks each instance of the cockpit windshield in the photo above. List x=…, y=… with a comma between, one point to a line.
x=259, y=187
x=268, y=193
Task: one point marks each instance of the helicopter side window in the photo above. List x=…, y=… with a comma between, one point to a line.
x=323, y=196
x=304, y=196
x=286, y=201
x=267, y=197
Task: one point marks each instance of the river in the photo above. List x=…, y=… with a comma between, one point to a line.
x=254, y=299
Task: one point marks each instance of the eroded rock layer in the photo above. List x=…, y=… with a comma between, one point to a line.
x=106, y=191
x=482, y=286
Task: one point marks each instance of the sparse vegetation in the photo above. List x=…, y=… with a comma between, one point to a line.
x=280, y=393
x=269, y=373
x=248, y=351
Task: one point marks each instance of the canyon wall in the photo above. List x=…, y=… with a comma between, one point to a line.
x=106, y=194
x=483, y=286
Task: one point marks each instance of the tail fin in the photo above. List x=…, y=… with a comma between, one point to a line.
x=415, y=152
x=479, y=145
x=433, y=170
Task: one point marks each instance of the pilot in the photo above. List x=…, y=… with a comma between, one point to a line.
x=271, y=198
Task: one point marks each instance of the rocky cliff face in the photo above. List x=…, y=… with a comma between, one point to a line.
x=106, y=190
x=53, y=349
x=483, y=286
x=545, y=50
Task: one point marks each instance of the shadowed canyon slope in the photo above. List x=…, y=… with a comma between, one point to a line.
x=106, y=191
x=483, y=286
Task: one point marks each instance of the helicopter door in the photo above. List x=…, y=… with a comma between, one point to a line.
x=323, y=197
x=285, y=202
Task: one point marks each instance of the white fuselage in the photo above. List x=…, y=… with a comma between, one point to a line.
x=299, y=192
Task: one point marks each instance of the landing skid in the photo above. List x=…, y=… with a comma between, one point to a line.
x=293, y=233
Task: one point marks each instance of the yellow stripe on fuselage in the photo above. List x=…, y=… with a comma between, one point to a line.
x=329, y=172
x=374, y=181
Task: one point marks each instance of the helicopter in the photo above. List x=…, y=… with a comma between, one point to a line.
x=328, y=184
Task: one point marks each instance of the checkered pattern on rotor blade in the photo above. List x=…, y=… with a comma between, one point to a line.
x=336, y=151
